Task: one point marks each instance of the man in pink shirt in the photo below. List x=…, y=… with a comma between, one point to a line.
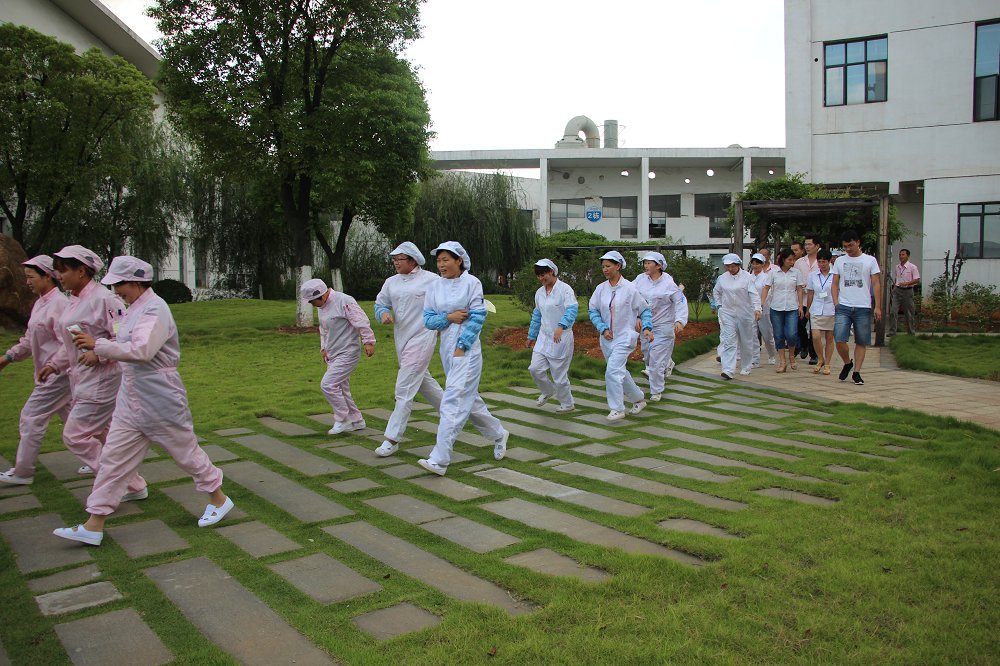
x=806, y=264
x=902, y=296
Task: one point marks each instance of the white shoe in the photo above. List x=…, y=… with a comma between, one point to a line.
x=755, y=365
x=431, y=467
x=80, y=534
x=772, y=361
x=746, y=373
x=387, y=449
x=670, y=368
x=500, y=446
x=542, y=399
x=726, y=375
x=85, y=469
x=645, y=371
x=615, y=415
x=656, y=397
x=338, y=427
x=14, y=479
x=214, y=514
x=137, y=495
x=563, y=409
x=637, y=407
x=358, y=425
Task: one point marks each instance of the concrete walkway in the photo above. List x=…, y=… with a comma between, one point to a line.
x=886, y=385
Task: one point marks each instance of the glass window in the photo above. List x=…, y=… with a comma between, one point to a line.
x=628, y=205
x=986, y=86
x=979, y=230
x=557, y=216
x=575, y=208
x=612, y=207
x=665, y=205
x=856, y=71
x=715, y=207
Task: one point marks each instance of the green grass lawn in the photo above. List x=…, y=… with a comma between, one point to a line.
x=902, y=570
x=963, y=356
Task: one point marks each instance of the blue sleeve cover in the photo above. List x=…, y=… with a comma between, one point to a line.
x=435, y=321
x=647, y=319
x=570, y=317
x=536, y=324
x=471, y=328
x=595, y=319
x=379, y=311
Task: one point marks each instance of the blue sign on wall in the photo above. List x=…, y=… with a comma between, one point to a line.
x=594, y=214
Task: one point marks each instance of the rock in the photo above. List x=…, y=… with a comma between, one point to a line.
x=15, y=297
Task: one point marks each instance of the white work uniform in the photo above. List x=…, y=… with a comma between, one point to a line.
x=462, y=373
x=152, y=405
x=764, y=324
x=42, y=343
x=668, y=307
x=548, y=356
x=737, y=300
x=341, y=321
x=617, y=307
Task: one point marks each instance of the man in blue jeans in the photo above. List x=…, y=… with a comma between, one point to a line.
x=856, y=279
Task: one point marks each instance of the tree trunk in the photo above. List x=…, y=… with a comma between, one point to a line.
x=304, y=311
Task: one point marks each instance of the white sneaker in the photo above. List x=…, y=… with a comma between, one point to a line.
x=746, y=373
x=772, y=361
x=670, y=368
x=431, y=467
x=562, y=409
x=637, y=407
x=500, y=446
x=338, y=427
x=358, y=425
x=656, y=397
x=755, y=365
x=14, y=479
x=214, y=514
x=79, y=533
x=645, y=371
x=615, y=415
x=542, y=399
x=387, y=449
x=137, y=495
x=85, y=469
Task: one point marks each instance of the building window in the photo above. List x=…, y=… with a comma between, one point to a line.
x=986, y=86
x=979, y=230
x=856, y=71
x=624, y=208
x=182, y=259
x=716, y=208
x=561, y=211
x=200, y=265
x=660, y=208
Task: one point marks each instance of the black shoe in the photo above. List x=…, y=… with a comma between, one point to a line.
x=813, y=361
x=803, y=353
x=857, y=378
x=726, y=375
x=846, y=370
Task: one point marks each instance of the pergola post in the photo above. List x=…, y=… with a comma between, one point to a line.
x=738, y=229
x=883, y=261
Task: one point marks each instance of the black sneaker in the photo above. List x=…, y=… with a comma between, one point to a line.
x=846, y=370
x=803, y=353
x=813, y=361
x=857, y=378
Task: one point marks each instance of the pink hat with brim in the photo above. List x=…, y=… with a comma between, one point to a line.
x=43, y=262
x=312, y=289
x=81, y=254
x=128, y=269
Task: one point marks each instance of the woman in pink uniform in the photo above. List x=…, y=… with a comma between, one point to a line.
x=40, y=342
x=341, y=322
x=151, y=406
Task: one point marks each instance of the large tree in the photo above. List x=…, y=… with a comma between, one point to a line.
x=261, y=87
x=63, y=124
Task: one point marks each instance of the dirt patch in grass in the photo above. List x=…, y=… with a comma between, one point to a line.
x=586, y=341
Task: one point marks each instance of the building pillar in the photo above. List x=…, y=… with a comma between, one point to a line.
x=747, y=173
x=543, y=197
x=643, y=212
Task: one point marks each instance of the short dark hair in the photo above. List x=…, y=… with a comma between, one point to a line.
x=815, y=240
x=38, y=271
x=795, y=242
x=64, y=263
x=824, y=254
x=783, y=254
x=906, y=251
x=455, y=256
x=849, y=235
x=542, y=270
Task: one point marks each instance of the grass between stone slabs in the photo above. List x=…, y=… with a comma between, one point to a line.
x=901, y=570
x=975, y=356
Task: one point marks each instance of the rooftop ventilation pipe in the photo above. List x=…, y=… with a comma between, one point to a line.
x=571, y=137
x=610, y=133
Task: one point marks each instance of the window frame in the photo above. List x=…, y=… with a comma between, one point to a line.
x=977, y=79
x=866, y=61
x=981, y=217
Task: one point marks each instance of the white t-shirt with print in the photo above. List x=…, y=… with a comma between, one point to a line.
x=854, y=275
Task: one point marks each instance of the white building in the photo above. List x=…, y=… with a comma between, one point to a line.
x=900, y=97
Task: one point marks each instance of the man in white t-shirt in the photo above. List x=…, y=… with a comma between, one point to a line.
x=856, y=279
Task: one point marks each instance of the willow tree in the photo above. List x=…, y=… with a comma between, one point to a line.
x=255, y=84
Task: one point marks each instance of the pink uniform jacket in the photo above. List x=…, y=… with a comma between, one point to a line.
x=96, y=311
x=42, y=340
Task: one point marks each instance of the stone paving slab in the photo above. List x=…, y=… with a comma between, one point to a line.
x=195, y=502
x=896, y=434
x=425, y=567
x=397, y=620
x=231, y=616
x=546, y=463
x=77, y=598
x=695, y=527
x=476, y=468
x=893, y=447
x=403, y=471
x=19, y=503
x=597, y=450
x=601, y=419
x=684, y=388
x=120, y=637
x=727, y=419
x=556, y=424
x=784, y=398
x=149, y=537
x=161, y=471
x=843, y=469
x=61, y=464
x=303, y=462
x=424, y=451
x=456, y=490
x=304, y=504
x=475, y=536
x=12, y=490
x=546, y=488
x=81, y=493
x=677, y=396
x=325, y=579
x=257, y=539
x=676, y=469
x=551, y=563
x=827, y=435
x=219, y=454
x=34, y=546
x=538, y=435
x=738, y=398
x=377, y=412
x=697, y=382
x=353, y=485
x=551, y=405
x=763, y=412
x=525, y=455
x=409, y=509
x=360, y=454
x=719, y=461
x=820, y=424
x=717, y=443
x=647, y=486
x=87, y=482
x=691, y=424
x=285, y=427
x=639, y=444
x=232, y=432
x=794, y=495
x=77, y=576
x=470, y=438
x=544, y=518
x=784, y=441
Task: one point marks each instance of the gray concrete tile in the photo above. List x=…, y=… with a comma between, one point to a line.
x=738, y=398
x=77, y=598
x=149, y=537
x=695, y=527
x=86, y=482
x=361, y=454
x=676, y=469
x=819, y=424
x=429, y=569
x=304, y=504
x=762, y=412
x=424, y=451
x=285, y=427
x=827, y=435
x=691, y=424
x=34, y=546
x=724, y=418
x=19, y=503
x=162, y=470
x=61, y=464
x=303, y=462
x=719, y=461
x=551, y=563
x=377, y=412
x=232, y=432
x=353, y=485
x=546, y=488
x=410, y=509
x=894, y=447
x=794, y=495
x=231, y=616
x=77, y=576
x=195, y=502
x=119, y=637
x=523, y=455
x=704, y=383
x=456, y=490
x=397, y=620
x=677, y=396
x=81, y=493
x=539, y=435
x=257, y=539
x=639, y=444
x=597, y=450
x=470, y=438
x=403, y=471
x=545, y=463
x=843, y=469
x=685, y=388
x=556, y=424
x=218, y=454
x=476, y=468
x=324, y=579
x=474, y=536
x=784, y=441
x=716, y=443
x=602, y=420
x=7, y=490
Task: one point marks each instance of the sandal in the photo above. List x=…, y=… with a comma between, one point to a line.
x=818, y=367
x=781, y=368
x=826, y=369
x=794, y=367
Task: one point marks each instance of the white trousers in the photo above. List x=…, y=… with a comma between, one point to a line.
x=46, y=400
x=660, y=351
x=767, y=337
x=736, y=332
x=460, y=401
x=336, y=387
x=542, y=366
x=618, y=382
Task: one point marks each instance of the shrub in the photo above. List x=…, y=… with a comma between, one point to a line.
x=980, y=301
x=172, y=291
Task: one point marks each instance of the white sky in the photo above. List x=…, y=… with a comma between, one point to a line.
x=511, y=74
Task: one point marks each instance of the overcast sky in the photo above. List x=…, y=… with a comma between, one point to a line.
x=511, y=74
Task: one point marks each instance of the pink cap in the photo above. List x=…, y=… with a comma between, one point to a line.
x=313, y=289
x=128, y=269
x=42, y=261
x=81, y=254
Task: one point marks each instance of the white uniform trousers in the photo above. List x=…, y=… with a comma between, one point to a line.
x=661, y=349
x=460, y=401
x=542, y=366
x=618, y=382
x=767, y=337
x=736, y=335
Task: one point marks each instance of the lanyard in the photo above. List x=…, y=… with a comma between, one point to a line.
x=611, y=310
x=822, y=285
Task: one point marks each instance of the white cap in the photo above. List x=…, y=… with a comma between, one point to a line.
x=128, y=269
x=614, y=255
x=657, y=257
x=548, y=263
x=81, y=254
x=312, y=289
x=410, y=250
x=455, y=248
x=836, y=253
x=731, y=259
x=757, y=256
x=43, y=262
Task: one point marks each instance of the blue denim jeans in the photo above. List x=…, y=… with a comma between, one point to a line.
x=860, y=318
x=785, y=324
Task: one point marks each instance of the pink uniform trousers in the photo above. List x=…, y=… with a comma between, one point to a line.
x=85, y=432
x=45, y=401
x=336, y=386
